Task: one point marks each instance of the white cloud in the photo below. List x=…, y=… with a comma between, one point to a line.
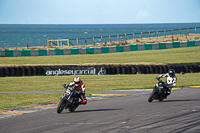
x=142, y=14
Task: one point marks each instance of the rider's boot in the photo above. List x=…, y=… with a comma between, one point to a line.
x=84, y=100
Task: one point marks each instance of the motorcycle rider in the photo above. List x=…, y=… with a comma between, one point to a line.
x=77, y=82
x=171, y=80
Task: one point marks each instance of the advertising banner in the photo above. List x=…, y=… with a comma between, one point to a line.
x=57, y=71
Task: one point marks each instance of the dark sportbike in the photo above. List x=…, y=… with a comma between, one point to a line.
x=159, y=91
x=69, y=100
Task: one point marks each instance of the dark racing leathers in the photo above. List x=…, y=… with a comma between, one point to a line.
x=81, y=86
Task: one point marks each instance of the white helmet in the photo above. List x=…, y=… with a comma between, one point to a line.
x=77, y=80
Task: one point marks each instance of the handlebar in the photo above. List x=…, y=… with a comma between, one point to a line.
x=72, y=89
x=158, y=79
x=63, y=85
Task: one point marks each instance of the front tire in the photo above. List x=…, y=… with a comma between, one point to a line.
x=61, y=106
x=151, y=97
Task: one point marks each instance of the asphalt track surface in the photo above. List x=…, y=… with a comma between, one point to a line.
x=179, y=113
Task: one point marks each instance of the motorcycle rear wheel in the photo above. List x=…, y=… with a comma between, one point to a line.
x=151, y=97
x=72, y=109
x=161, y=99
x=61, y=106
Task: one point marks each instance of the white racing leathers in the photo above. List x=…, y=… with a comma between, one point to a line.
x=171, y=81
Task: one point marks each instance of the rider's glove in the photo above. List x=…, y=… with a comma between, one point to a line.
x=157, y=78
x=65, y=86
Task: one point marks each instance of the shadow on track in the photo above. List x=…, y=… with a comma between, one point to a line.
x=93, y=110
x=186, y=100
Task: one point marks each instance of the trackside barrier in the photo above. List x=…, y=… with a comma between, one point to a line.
x=97, y=69
x=98, y=50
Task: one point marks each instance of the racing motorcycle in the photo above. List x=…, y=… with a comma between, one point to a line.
x=69, y=100
x=159, y=91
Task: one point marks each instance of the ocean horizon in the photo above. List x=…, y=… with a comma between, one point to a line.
x=21, y=35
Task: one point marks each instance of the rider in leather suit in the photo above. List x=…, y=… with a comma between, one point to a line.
x=171, y=80
x=77, y=82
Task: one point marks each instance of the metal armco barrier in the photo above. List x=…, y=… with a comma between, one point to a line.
x=97, y=70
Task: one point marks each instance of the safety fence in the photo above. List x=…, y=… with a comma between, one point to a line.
x=97, y=69
x=123, y=37
x=97, y=50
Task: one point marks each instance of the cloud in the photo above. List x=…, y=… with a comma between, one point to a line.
x=142, y=14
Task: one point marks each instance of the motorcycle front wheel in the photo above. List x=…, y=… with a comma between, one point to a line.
x=61, y=106
x=151, y=97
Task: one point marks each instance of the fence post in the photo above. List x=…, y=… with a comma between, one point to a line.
x=57, y=42
x=101, y=39
x=117, y=38
x=109, y=39
x=157, y=34
x=165, y=33
x=51, y=43
x=125, y=37
x=133, y=36
x=47, y=42
x=85, y=41
x=93, y=40
x=77, y=41
x=149, y=34
x=68, y=42
x=141, y=35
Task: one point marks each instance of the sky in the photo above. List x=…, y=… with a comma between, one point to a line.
x=98, y=11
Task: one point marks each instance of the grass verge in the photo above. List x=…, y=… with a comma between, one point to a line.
x=164, y=56
x=92, y=82
x=9, y=100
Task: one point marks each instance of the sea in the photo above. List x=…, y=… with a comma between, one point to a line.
x=23, y=35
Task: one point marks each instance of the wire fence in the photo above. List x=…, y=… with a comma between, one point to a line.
x=122, y=37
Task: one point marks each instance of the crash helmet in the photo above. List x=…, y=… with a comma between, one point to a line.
x=77, y=80
x=171, y=72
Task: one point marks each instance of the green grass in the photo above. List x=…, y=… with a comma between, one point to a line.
x=9, y=100
x=175, y=55
x=92, y=82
